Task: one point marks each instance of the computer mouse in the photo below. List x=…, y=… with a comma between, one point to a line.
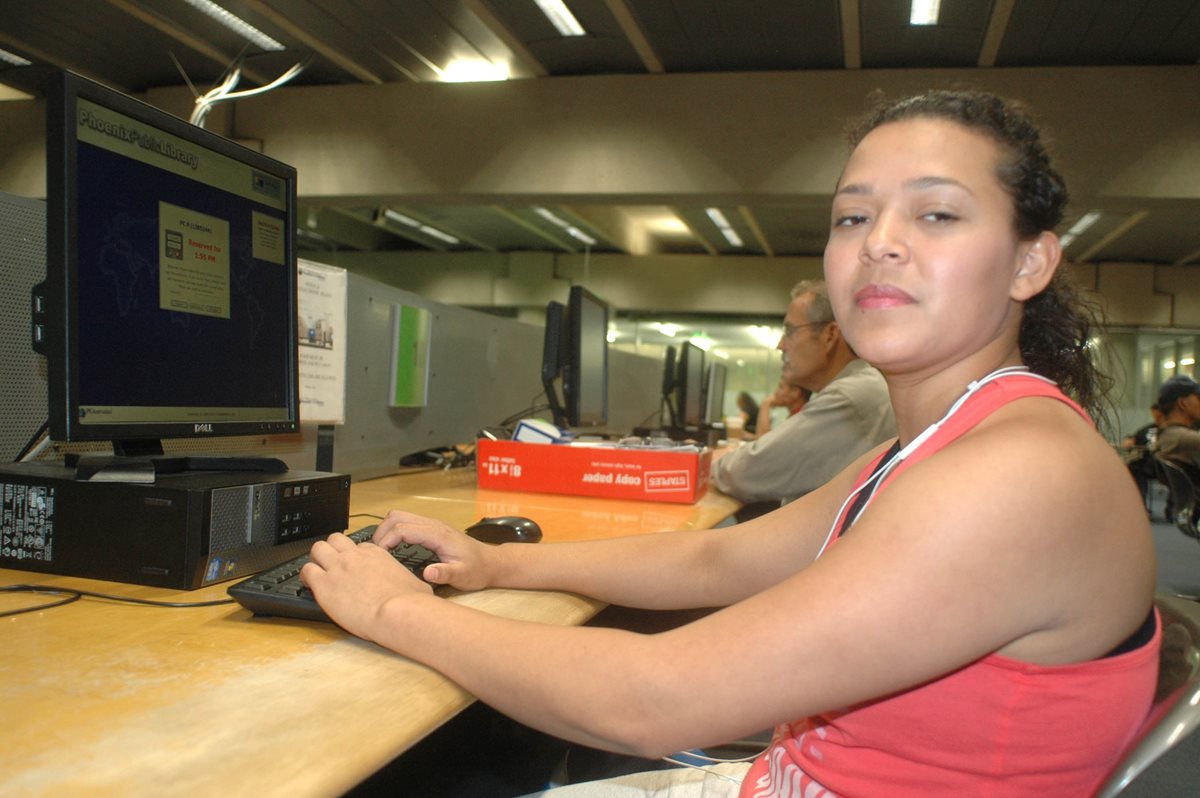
x=505, y=529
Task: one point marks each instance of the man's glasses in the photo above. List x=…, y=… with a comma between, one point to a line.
x=791, y=329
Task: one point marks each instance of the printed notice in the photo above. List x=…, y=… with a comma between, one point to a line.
x=322, y=324
x=268, y=237
x=193, y=262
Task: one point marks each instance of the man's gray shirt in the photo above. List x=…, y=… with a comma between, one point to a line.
x=842, y=421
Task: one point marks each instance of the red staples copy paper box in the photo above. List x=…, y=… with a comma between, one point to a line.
x=657, y=475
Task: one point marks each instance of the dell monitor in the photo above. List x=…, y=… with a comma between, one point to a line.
x=689, y=386
x=714, y=394
x=169, y=305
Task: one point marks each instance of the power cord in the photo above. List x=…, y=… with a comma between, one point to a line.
x=73, y=595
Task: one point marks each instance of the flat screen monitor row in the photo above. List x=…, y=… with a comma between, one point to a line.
x=575, y=353
x=693, y=391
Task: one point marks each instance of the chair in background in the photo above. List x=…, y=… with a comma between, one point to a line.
x=1183, y=495
x=1176, y=710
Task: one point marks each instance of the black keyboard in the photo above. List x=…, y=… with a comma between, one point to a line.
x=280, y=592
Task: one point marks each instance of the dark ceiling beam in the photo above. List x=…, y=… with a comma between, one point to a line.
x=1124, y=227
x=702, y=239
x=491, y=20
x=300, y=34
x=540, y=232
x=170, y=28
x=637, y=37
x=851, y=35
x=756, y=228
x=994, y=36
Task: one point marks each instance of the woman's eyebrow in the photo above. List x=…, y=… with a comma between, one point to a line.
x=912, y=184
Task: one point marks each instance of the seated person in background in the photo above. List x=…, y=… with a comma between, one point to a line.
x=789, y=397
x=966, y=611
x=749, y=410
x=847, y=414
x=1138, y=448
x=1179, y=401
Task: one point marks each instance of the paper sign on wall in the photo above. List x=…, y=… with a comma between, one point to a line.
x=321, y=323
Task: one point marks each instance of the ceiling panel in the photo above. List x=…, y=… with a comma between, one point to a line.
x=134, y=45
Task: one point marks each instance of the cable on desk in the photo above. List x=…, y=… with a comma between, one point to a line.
x=33, y=442
x=75, y=595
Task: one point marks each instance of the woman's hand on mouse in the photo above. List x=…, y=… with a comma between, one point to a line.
x=464, y=562
x=353, y=581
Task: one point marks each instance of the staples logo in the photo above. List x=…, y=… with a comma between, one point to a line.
x=202, y=428
x=667, y=481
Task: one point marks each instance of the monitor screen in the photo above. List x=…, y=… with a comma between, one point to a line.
x=169, y=306
x=689, y=386
x=714, y=393
x=585, y=359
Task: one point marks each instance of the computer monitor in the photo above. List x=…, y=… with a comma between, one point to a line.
x=714, y=393
x=169, y=305
x=689, y=386
x=552, y=342
x=585, y=362
x=668, y=384
x=582, y=359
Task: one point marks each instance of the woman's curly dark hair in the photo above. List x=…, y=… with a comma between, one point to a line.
x=1059, y=325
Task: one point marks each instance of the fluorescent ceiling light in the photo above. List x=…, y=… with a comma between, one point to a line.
x=13, y=58
x=473, y=70
x=571, y=229
x=408, y=221
x=766, y=336
x=702, y=341
x=721, y=353
x=1085, y=221
x=236, y=24
x=723, y=225
x=576, y=233
x=612, y=335
x=1187, y=361
x=561, y=17
x=924, y=12
x=666, y=328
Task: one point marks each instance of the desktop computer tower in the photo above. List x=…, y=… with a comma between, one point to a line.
x=183, y=531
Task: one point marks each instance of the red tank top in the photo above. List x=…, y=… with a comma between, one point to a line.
x=996, y=727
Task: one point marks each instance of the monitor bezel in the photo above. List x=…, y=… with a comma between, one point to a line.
x=572, y=376
x=58, y=310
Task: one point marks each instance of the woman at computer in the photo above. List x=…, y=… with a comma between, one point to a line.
x=966, y=612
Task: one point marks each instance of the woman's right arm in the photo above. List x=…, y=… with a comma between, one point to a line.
x=669, y=570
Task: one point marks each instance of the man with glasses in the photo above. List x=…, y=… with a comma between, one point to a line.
x=847, y=414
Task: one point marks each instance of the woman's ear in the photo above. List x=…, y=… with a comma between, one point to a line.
x=1039, y=260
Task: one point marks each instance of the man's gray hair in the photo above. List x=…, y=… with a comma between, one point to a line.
x=819, y=309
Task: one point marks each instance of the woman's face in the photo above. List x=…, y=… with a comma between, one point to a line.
x=922, y=255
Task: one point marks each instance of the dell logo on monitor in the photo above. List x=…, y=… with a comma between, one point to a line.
x=203, y=428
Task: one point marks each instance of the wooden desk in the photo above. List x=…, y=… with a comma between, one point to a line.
x=101, y=698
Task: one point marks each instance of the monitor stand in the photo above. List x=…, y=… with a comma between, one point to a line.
x=143, y=461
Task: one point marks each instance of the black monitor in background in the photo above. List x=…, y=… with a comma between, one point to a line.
x=714, y=394
x=582, y=359
x=552, y=360
x=169, y=305
x=668, y=385
x=689, y=386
